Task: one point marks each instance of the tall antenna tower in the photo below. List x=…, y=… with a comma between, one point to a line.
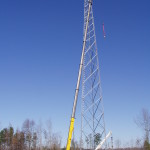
x=92, y=115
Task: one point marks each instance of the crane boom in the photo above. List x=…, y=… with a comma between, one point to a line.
x=78, y=82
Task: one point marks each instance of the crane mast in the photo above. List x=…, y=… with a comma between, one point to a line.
x=78, y=82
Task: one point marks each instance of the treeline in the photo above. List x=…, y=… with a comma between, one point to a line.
x=32, y=136
x=129, y=148
x=134, y=148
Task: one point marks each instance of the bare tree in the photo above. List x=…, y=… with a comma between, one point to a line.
x=77, y=147
x=48, y=134
x=39, y=134
x=131, y=143
x=143, y=122
x=29, y=131
x=118, y=143
x=56, y=142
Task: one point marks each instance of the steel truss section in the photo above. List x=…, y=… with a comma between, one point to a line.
x=92, y=114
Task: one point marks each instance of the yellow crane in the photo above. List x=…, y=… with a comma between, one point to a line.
x=78, y=82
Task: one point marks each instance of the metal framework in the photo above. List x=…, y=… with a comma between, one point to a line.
x=92, y=114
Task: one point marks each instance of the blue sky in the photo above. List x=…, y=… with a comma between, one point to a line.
x=40, y=49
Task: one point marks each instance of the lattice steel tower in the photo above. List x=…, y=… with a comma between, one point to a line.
x=92, y=115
